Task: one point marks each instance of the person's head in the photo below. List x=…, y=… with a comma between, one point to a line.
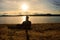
x=27, y=18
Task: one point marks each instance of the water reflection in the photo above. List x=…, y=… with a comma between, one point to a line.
x=23, y=18
x=33, y=19
x=45, y=19
x=12, y=20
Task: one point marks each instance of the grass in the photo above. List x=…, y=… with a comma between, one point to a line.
x=46, y=31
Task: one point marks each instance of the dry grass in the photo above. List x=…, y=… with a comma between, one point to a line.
x=38, y=32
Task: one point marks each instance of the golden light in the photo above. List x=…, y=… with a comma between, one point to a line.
x=24, y=7
x=23, y=18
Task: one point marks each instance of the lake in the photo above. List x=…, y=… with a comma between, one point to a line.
x=33, y=19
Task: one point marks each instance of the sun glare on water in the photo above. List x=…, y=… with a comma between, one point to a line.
x=23, y=18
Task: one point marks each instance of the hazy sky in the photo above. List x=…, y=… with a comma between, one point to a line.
x=42, y=6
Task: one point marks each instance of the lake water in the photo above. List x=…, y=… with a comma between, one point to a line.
x=33, y=19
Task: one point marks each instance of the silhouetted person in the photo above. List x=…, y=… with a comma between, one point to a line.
x=27, y=26
x=27, y=23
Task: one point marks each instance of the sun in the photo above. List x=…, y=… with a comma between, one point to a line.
x=24, y=7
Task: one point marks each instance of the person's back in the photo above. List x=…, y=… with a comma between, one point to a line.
x=27, y=24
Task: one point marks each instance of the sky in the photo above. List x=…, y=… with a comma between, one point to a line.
x=40, y=6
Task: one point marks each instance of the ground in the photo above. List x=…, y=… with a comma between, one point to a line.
x=46, y=31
